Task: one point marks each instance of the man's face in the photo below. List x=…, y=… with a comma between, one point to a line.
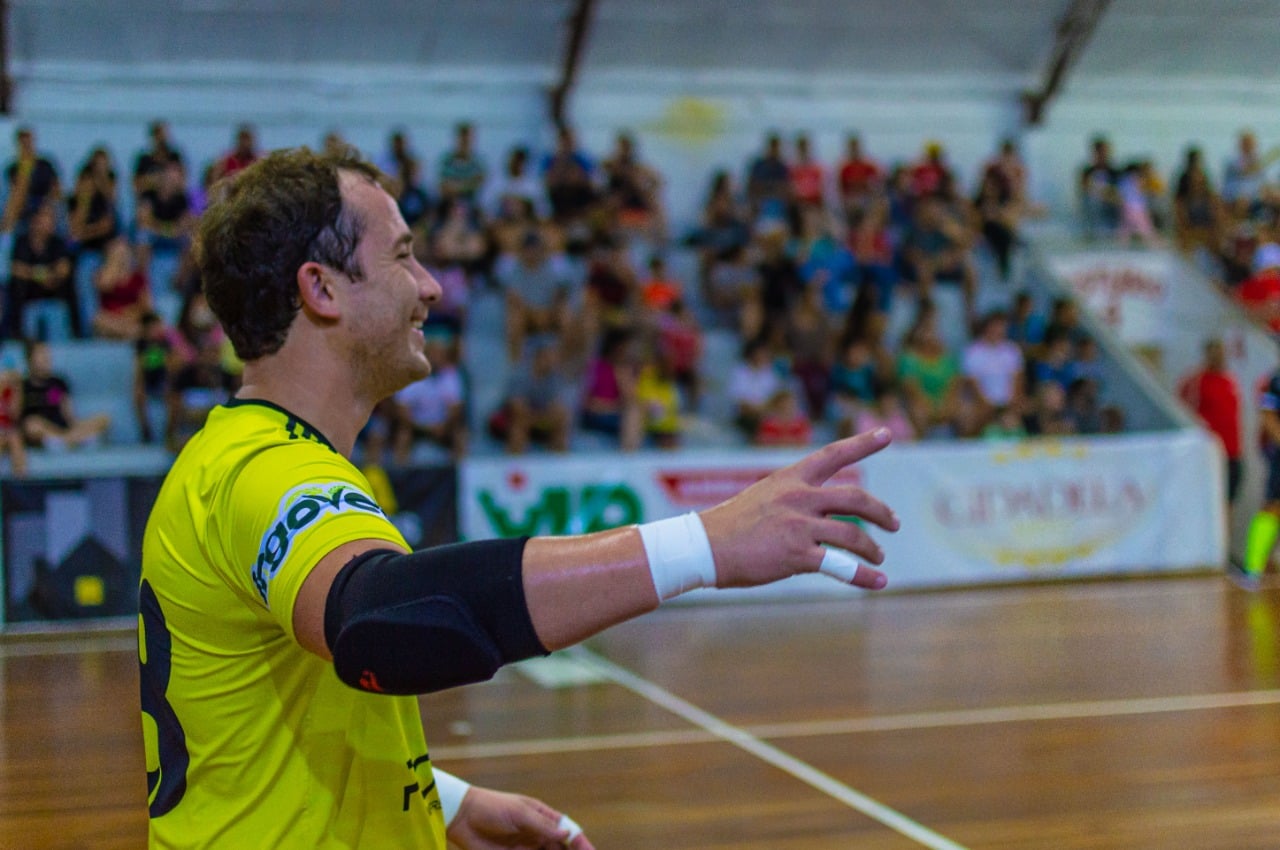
x=384, y=310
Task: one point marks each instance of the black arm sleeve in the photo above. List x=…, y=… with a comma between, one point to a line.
x=425, y=621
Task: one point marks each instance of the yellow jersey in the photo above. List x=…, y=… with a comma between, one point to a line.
x=251, y=740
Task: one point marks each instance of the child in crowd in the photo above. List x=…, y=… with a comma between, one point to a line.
x=783, y=422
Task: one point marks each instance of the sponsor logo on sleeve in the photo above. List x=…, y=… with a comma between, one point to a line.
x=301, y=508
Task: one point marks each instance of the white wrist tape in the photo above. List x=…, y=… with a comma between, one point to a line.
x=451, y=790
x=567, y=822
x=839, y=564
x=679, y=555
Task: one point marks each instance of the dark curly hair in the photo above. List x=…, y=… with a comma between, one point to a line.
x=263, y=224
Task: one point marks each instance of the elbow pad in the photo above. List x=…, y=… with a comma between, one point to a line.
x=425, y=621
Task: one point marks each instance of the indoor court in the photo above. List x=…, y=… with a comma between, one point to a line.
x=1108, y=714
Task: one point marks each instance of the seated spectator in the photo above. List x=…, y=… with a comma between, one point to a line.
x=396, y=161
x=810, y=333
x=94, y=223
x=752, y=383
x=826, y=263
x=783, y=423
x=32, y=182
x=1008, y=167
x=993, y=365
x=885, y=411
x=517, y=185
x=196, y=388
x=569, y=177
x=678, y=340
x=1064, y=317
x=781, y=283
x=609, y=404
x=533, y=409
x=998, y=213
x=1199, y=220
x=769, y=183
x=1005, y=424
x=1056, y=362
x=612, y=287
x=40, y=280
x=1099, y=200
x=433, y=407
x=873, y=249
x=1112, y=420
x=808, y=177
x=726, y=223
x=1136, y=219
x=449, y=312
x=732, y=290
x=658, y=399
x=937, y=249
x=1260, y=294
x=151, y=378
x=150, y=162
x=930, y=173
x=123, y=295
x=540, y=294
x=457, y=238
x=1244, y=178
x=240, y=157
x=929, y=376
x=1048, y=415
x=462, y=172
x=11, y=442
x=1026, y=326
x=660, y=289
x=632, y=192
x=1082, y=407
x=166, y=222
x=196, y=323
x=48, y=420
x=1088, y=361
x=854, y=380
x=861, y=178
x=411, y=196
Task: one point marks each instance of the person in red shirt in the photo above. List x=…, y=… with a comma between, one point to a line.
x=1213, y=394
x=930, y=174
x=860, y=177
x=243, y=155
x=808, y=180
x=1260, y=294
x=784, y=423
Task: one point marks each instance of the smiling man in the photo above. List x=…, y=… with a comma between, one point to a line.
x=285, y=626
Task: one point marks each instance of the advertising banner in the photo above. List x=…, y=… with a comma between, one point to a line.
x=971, y=511
x=1129, y=290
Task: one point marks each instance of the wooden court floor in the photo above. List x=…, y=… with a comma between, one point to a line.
x=1128, y=714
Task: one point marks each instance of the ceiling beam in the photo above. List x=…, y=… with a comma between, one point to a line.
x=1075, y=28
x=579, y=24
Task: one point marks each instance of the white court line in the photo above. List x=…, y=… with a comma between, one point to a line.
x=768, y=753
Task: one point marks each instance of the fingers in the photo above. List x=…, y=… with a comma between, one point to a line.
x=573, y=834
x=845, y=568
x=850, y=537
x=833, y=457
x=854, y=501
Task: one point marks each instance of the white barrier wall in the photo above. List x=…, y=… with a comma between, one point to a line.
x=971, y=512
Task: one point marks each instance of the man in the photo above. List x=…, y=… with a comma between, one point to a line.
x=282, y=613
x=1264, y=528
x=462, y=173
x=1099, y=203
x=48, y=421
x=149, y=164
x=32, y=181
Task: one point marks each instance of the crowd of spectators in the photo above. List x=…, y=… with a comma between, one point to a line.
x=799, y=260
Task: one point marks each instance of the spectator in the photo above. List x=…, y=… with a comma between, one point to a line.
x=769, y=182
x=151, y=378
x=885, y=411
x=809, y=336
x=660, y=289
x=873, y=250
x=196, y=323
x=533, y=409
x=516, y=184
x=937, y=249
x=1136, y=220
x=752, y=383
x=411, y=196
x=195, y=389
x=1213, y=394
x=40, y=280
x=569, y=177
x=1055, y=363
x=240, y=157
x=32, y=182
x=398, y=159
x=853, y=382
x=632, y=190
x=679, y=342
x=1099, y=201
x=1198, y=216
x=861, y=178
x=462, y=172
x=612, y=287
x=150, y=162
x=725, y=223
x=1064, y=316
x=931, y=174
x=783, y=423
x=1082, y=406
x=434, y=407
x=780, y=282
x=457, y=237
x=993, y=365
x=166, y=221
x=1088, y=361
x=827, y=264
x=1048, y=416
x=1244, y=177
x=1026, y=326
x=1260, y=294
x=998, y=212
x=540, y=295
x=929, y=376
x=94, y=223
x=445, y=257
x=48, y=420
x=808, y=177
x=1006, y=424
x=609, y=403
x=1009, y=169
x=123, y=295
x=658, y=399
x=11, y=441
x=333, y=143
x=732, y=290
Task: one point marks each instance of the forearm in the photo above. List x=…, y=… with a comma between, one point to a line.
x=577, y=586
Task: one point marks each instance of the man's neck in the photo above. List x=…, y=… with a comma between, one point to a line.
x=306, y=391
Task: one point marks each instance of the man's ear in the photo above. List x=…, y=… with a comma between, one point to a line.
x=317, y=290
